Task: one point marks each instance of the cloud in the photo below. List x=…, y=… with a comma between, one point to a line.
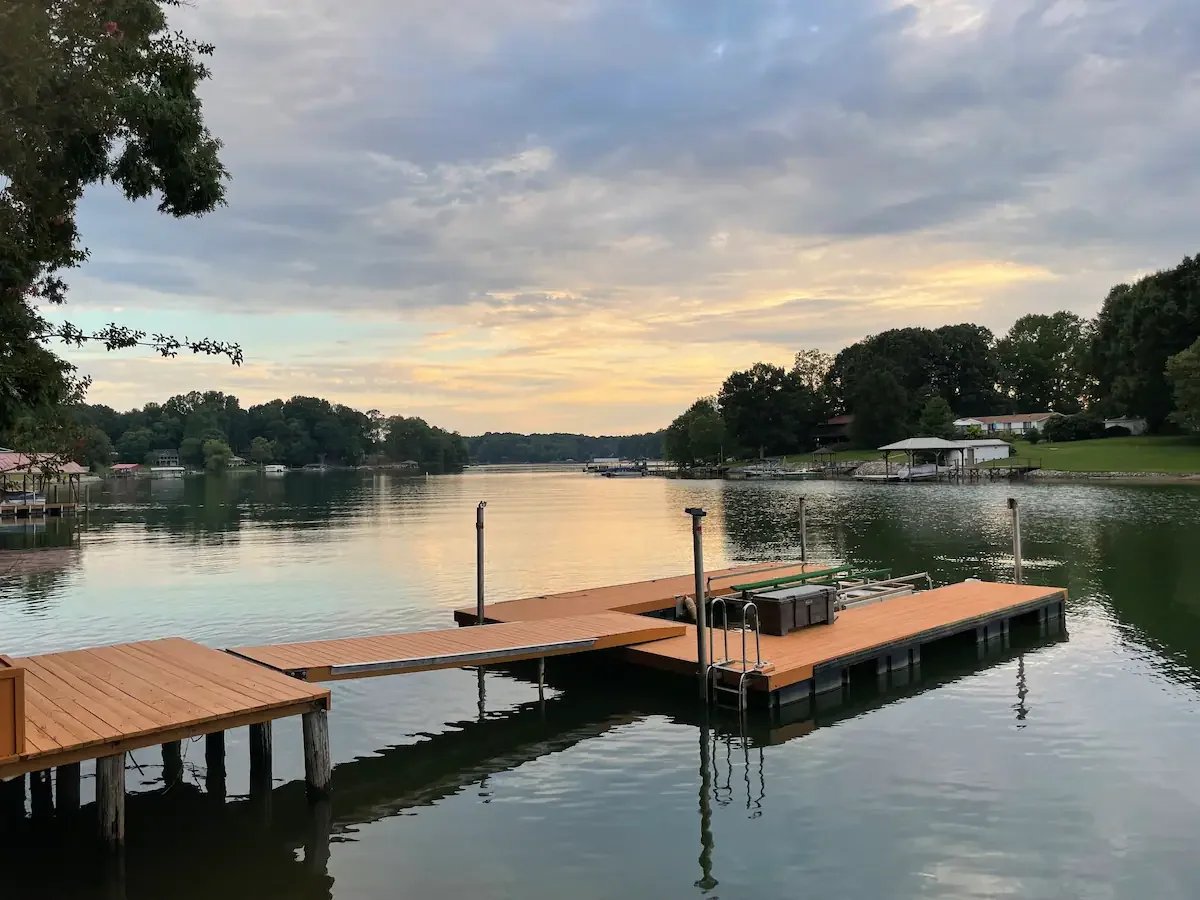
x=525, y=201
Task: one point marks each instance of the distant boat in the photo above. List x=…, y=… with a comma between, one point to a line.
x=274, y=469
x=624, y=472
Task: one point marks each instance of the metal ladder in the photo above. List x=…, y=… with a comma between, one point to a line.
x=726, y=665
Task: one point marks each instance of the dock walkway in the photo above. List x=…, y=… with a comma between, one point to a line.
x=423, y=651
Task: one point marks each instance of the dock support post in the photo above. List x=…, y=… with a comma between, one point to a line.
x=803, y=532
x=1016, y=529
x=110, y=798
x=479, y=561
x=260, y=758
x=214, y=765
x=41, y=795
x=541, y=677
x=12, y=799
x=172, y=757
x=318, y=767
x=66, y=788
x=698, y=515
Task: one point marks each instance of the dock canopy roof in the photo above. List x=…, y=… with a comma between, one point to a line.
x=922, y=443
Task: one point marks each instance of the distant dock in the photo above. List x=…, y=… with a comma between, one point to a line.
x=36, y=510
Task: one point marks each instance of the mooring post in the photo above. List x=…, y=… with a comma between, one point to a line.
x=214, y=765
x=541, y=677
x=110, y=798
x=803, y=532
x=698, y=515
x=479, y=561
x=66, y=789
x=1018, y=577
x=260, y=758
x=318, y=767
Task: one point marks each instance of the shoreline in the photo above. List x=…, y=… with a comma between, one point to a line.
x=1056, y=475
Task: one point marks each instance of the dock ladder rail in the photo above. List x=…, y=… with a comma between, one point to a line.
x=726, y=665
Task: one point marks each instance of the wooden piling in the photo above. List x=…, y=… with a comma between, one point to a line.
x=110, y=798
x=260, y=758
x=41, y=794
x=12, y=799
x=172, y=757
x=318, y=767
x=214, y=762
x=66, y=788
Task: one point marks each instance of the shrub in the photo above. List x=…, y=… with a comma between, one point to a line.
x=1033, y=436
x=1077, y=427
x=1117, y=431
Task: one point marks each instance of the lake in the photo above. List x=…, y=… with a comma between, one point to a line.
x=1066, y=768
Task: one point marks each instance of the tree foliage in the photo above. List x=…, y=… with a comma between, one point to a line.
x=770, y=410
x=697, y=435
x=1044, y=363
x=1183, y=372
x=1138, y=329
x=936, y=420
x=880, y=405
x=506, y=447
x=433, y=449
x=90, y=92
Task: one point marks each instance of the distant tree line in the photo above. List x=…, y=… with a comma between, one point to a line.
x=505, y=447
x=208, y=428
x=1139, y=357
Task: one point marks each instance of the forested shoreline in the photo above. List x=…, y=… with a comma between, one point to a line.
x=1139, y=357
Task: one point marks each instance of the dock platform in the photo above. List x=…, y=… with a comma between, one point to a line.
x=35, y=510
x=424, y=651
x=105, y=701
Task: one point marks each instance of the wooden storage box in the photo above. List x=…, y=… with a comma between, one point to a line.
x=12, y=710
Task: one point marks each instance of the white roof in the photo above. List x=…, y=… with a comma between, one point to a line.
x=967, y=420
x=982, y=442
x=922, y=443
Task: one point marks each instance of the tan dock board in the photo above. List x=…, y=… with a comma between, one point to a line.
x=452, y=648
x=84, y=704
x=896, y=622
x=637, y=597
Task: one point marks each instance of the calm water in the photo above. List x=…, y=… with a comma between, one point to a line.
x=1067, y=768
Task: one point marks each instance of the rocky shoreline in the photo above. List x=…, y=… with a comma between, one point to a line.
x=1056, y=475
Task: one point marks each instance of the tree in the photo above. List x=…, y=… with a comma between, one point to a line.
x=191, y=450
x=811, y=368
x=434, y=449
x=1141, y=326
x=262, y=451
x=1183, y=372
x=936, y=418
x=880, y=405
x=216, y=455
x=94, y=448
x=966, y=370
x=135, y=444
x=1043, y=363
x=94, y=93
x=696, y=435
x=768, y=409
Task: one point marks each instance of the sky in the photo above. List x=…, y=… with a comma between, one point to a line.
x=580, y=215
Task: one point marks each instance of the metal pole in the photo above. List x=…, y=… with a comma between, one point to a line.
x=1016, y=535
x=803, y=532
x=479, y=561
x=697, y=515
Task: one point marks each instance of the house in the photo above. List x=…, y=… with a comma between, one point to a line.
x=125, y=470
x=1132, y=424
x=1018, y=423
x=834, y=430
x=236, y=461
x=980, y=450
x=164, y=458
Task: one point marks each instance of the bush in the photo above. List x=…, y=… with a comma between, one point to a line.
x=1077, y=427
x=1033, y=436
x=1117, y=431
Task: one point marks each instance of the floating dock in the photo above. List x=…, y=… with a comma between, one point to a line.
x=60, y=709
x=35, y=510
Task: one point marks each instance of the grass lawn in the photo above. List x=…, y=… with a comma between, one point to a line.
x=1120, y=454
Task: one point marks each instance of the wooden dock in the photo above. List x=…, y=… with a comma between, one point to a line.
x=424, y=651
x=35, y=510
